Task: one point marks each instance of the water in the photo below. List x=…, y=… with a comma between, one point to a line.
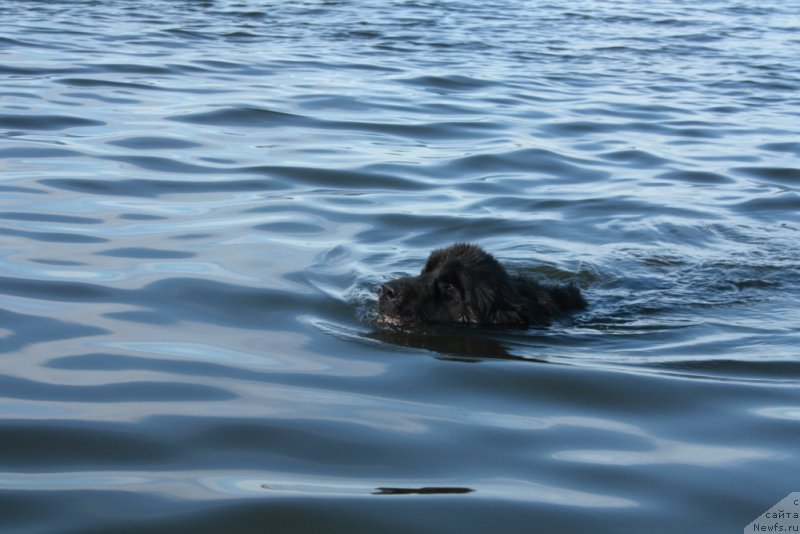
x=198, y=200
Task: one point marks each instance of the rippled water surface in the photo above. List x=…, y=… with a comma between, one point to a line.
x=198, y=200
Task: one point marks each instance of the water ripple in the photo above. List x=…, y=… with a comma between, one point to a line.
x=200, y=201
x=45, y=122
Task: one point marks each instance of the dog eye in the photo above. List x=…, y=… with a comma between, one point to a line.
x=448, y=291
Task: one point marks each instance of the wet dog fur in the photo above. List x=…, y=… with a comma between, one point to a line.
x=463, y=284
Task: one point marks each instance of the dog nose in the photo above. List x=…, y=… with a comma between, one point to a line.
x=387, y=291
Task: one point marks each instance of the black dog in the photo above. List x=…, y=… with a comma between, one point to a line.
x=463, y=284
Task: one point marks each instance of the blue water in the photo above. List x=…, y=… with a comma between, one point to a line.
x=198, y=200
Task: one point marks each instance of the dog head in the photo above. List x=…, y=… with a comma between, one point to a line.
x=459, y=284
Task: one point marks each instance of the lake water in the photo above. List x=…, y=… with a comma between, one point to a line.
x=198, y=200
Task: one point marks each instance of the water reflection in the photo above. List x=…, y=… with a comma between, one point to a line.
x=454, y=344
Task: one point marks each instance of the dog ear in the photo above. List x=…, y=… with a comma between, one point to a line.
x=504, y=305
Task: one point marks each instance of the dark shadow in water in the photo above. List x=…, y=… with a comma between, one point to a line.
x=422, y=491
x=469, y=345
x=29, y=329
